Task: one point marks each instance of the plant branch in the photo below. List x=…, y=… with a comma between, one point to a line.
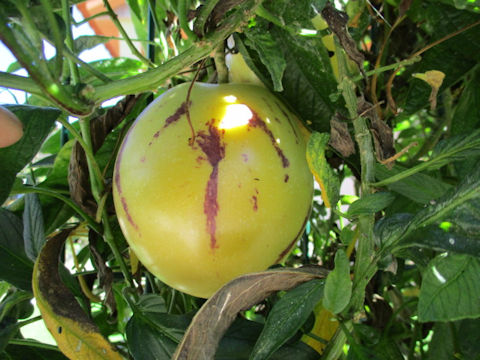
x=197, y=51
x=18, y=82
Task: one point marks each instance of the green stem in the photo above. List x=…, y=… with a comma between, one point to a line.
x=183, y=19
x=44, y=191
x=386, y=68
x=86, y=147
x=202, y=17
x=98, y=189
x=220, y=65
x=267, y=15
x=76, y=60
x=197, y=51
x=124, y=34
x=69, y=41
x=20, y=83
x=57, y=36
x=33, y=343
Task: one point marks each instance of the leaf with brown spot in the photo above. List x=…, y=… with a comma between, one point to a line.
x=100, y=127
x=340, y=138
x=217, y=314
x=76, y=335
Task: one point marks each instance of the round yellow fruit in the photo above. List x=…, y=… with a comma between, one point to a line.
x=222, y=192
x=11, y=128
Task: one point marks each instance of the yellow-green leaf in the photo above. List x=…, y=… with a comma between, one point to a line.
x=434, y=78
x=76, y=335
x=324, y=174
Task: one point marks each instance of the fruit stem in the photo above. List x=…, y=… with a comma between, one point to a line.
x=220, y=65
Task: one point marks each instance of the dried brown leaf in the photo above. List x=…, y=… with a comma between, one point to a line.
x=340, y=138
x=105, y=274
x=382, y=133
x=337, y=22
x=201, y=340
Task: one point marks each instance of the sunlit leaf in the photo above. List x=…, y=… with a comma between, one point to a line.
x=338, y=287
x=324, y=174
x=75, y=333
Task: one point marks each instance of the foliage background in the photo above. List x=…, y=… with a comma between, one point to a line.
x=403, y=253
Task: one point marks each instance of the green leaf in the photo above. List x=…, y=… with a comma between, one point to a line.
x=33, y=351
x=241, y=337
x=433, y=237
x=87, y=42
x=115, y=69
x=33, y=228
x=457, y=148
x=390, y=229
x=338, y=287
x=370, y=204
x=151, y=325
x=467, y=217
x=418, y=187
x=324, y=174
x=15, y=266
x=37, y=124
x=457, y=339
x=287, y=317
x=269, y=53
x=453, y=149
x=298, y=11
x=467, y=190
x=308, y=80
x=450, y=289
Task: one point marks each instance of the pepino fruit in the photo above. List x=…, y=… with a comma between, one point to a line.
x=212, y=185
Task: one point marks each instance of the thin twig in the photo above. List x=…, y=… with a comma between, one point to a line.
x=122, y=31
x=191, y=141
x=391, y=101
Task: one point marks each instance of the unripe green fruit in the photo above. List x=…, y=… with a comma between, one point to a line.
x=227, y=193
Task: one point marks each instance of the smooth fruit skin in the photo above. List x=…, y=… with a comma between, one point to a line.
x=201, y=207
x=11, y=128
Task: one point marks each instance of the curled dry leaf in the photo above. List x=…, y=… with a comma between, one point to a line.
x=100, y=127
x=337, y=21
x=340, y=138
x=76, y=335
x=217, y=314
x=382, y=133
